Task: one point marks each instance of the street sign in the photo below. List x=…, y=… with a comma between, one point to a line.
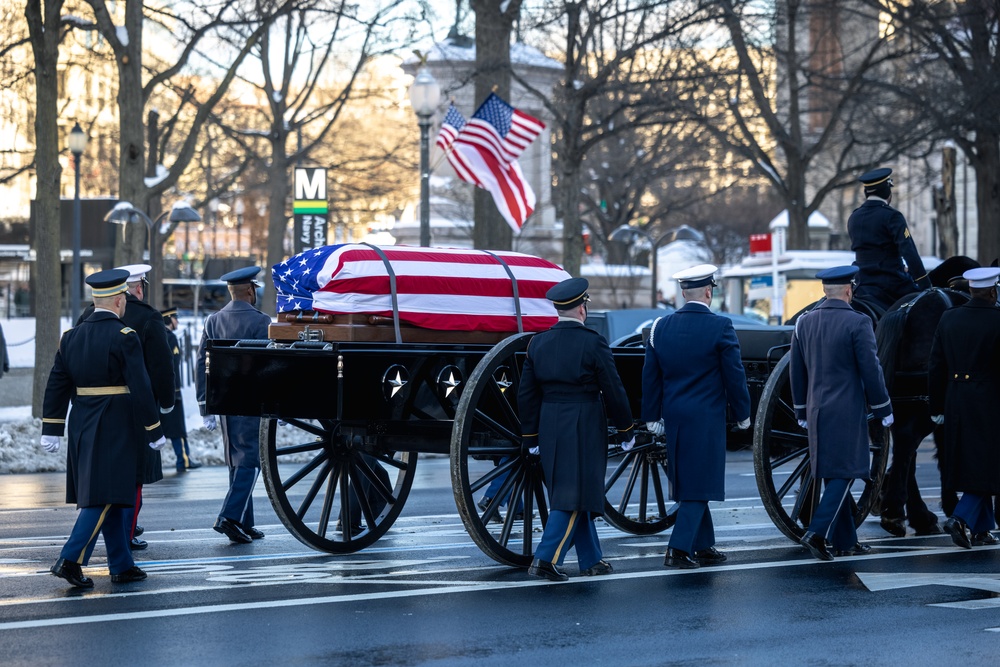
x=760, y=244
x=310, y=208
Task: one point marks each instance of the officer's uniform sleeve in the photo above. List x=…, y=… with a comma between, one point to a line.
x=58, y=393
x=159, y=361
x=937, y=375
x=615, y=399
x=733, y=375
x=140, y=391
x=652, y=382
x=863, y=337
x=528, y=400
x=798, y=375
x=908, y=250
x=200, y=379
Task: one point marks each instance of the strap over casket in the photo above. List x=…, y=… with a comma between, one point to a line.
x=453, y=289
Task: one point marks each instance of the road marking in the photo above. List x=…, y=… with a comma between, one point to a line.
x=439, y=589
x=885, y=581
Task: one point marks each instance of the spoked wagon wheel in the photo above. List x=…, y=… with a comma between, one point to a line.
x=306, y=482
x=498, y=485
x=635, y=493
x=782, y=462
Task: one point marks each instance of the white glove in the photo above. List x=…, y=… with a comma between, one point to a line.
x=158, y=444
x=626, y=446
x=804, y=424
x=164, y=411
x=743, y=425
x=50, y=443
x=656, y=428
x=533, y=450
x=887, y=421
x=209, y=422
x=937, y=419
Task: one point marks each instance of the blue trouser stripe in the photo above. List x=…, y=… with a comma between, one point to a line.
x=92, y=521
x=976, y=511
x=832, y=519
x=569, y=529
x=693, y=530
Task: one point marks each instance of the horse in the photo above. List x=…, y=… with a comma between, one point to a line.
x=904, y=336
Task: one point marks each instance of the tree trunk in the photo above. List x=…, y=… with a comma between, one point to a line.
x=569, y=197
x=947, y=221
x=493, y=27
x=155, y=296
x=988, y=195
x=277, y=219
x=132, y=136
x=798, y=223
x=46, y=279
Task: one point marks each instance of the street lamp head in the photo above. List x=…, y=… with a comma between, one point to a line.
x=425, y=94
x=682, y=233
x=77, y=141
x=183, y=212
x=123, y=213
x=626, y=234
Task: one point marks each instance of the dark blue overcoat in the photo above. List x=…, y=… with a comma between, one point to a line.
x=237, y=320
x=880, y=240
x=99, y=367
x=569, y=379
x=834, y=371
x=692, y=371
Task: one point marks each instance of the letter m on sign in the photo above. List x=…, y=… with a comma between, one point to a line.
x=310, y=184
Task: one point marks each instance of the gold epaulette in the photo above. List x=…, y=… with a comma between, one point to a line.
x=127, y=330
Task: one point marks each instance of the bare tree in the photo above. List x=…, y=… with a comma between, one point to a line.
x=955, y=76
x=795, y=93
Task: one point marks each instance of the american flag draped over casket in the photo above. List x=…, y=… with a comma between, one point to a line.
x=452, y=289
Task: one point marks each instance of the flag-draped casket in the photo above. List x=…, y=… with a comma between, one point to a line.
x=446, y=289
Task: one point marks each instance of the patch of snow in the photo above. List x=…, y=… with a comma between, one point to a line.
x=161, y=173
x=77, y=22
x=276, y=96
x=121, y=32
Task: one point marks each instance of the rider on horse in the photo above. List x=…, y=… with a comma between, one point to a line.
x=881, y=243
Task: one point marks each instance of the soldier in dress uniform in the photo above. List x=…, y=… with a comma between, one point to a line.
x=834, y=372
x=238, y=320
x=692, y=371
x=568, y=382
x=174, y=426
x=881, y=242
x=964, y=384
x=99, y=367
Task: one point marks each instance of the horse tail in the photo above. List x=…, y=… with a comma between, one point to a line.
x=887, y=336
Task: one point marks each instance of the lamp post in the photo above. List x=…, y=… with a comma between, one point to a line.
x=425, y=94
x=628, y=234
x=123, y=213
x=77, y=143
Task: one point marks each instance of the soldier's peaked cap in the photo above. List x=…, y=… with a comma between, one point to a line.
x=136, y=272
x=982, y=278
x=570, y=293
x=168, y=313
x=241, y=276
x=697, y=276
x=108, y=283
x=875, y=177
x=838, y=275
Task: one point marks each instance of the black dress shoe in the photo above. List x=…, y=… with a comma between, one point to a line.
x=71, y=572
x=137, y=545
x=681, y=559
x=959, y=533
x=984, y=539
x=710, y=556
x=193, y=465
x=483, y=503
x=546, y=570
x=253, y=532
x=128, y=576
x=232, y=530
x=597, y=569
x=857, y=550
x=139, y=530
x=816, y=546
x=895, y=527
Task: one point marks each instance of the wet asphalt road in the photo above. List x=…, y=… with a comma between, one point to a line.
x=426, y=595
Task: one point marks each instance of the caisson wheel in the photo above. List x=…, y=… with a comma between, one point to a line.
x=782, y=462
x=498, y=485
x=307, y=474
x=636, y=495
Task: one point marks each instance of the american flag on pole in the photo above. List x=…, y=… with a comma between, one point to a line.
x=484, y=152
x=437, y=288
